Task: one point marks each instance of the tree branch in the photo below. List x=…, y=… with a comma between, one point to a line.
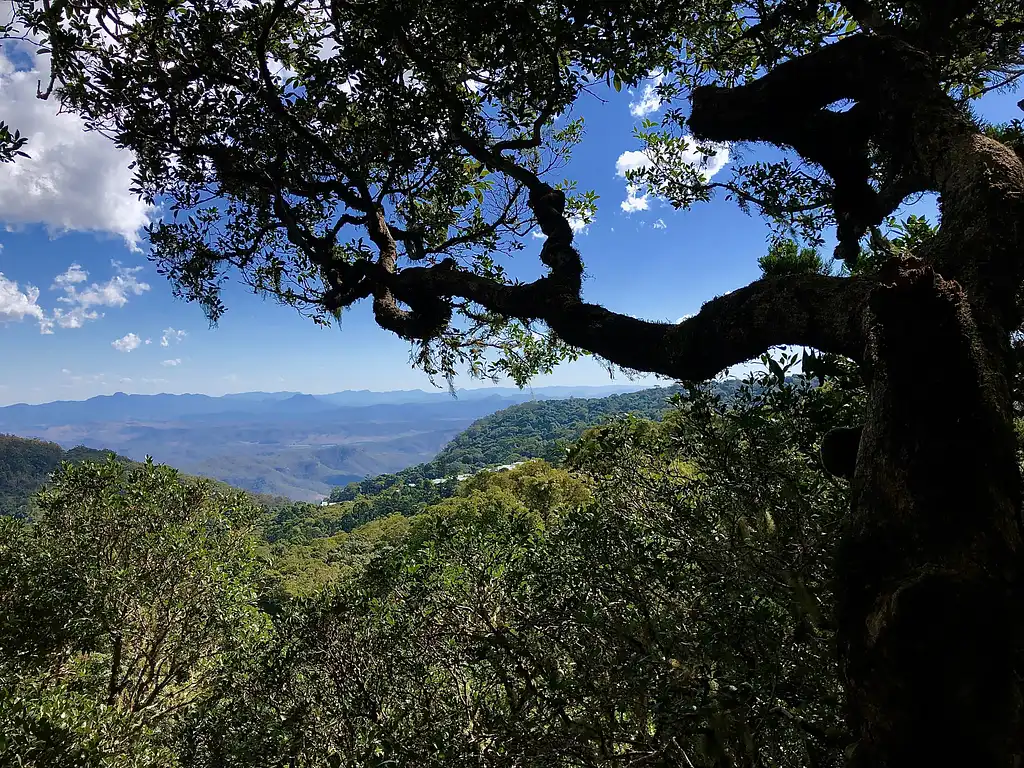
x=806, y=310
x=547, y=203
x=789, y=106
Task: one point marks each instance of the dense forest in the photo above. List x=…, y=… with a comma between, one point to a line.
x=541, y=429
x=26, y=465
x=662, y=596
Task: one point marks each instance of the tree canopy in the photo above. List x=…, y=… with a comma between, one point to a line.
x=123, y=600
x=328, y=152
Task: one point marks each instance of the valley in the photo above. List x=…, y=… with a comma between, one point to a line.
x=282, y=444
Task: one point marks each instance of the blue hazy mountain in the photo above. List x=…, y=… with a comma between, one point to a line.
x=284, y=443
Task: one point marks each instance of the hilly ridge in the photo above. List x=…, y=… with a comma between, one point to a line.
x=285, y=444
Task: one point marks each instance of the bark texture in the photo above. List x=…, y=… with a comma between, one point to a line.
x=929, y=566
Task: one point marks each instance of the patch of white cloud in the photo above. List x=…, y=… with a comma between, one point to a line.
x=71, y=276
x=171, y=363
x=476, y=86
x=80, y=302
x=634, y=200
x=690, y=155
x=660, y=224
x=631, y=160
x=684, y=317
x=649, y=100
x=73, y=180
x=86, y=378
x=279, y=71
x=328, y=48
x=411, y=81
x=172, y=335
x=126, y=343
x=578, y=225
x=17, y=303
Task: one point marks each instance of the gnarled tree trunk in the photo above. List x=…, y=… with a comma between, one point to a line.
x=929, y=564
x=928, y=571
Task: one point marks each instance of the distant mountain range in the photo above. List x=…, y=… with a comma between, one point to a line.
x=279, y=443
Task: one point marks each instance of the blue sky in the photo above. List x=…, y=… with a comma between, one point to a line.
x=71, y=265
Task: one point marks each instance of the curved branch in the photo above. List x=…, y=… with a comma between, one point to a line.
x=804, y=310
x=925, y=142
x=789, y=106
x=546, y=202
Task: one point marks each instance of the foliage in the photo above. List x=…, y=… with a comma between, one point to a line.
x=540, y=429
x=663, y=600
x=25, y=465
x=412, y=150
x=786, y=257
x=306, y=569
x=123, y=601
x=11, y=144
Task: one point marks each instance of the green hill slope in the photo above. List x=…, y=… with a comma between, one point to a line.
x=537, y=430
x=534, y=430
x=25, y=466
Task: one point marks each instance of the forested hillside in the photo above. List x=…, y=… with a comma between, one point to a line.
x=536, y=430
x=453, y=634
x=25, y=465
x=541, y=429
x=286, y=444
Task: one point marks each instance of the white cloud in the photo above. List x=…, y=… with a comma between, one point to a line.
x=72, y=179
x=684, y=317
x=88, y=378
x=634, y=202
x=126, y=343
x=112, y=293
x=279, y=71
x=660, y=224
x=649, y=100
x=476, y=86
x=689, y=154
x=576, y=224
x=172, y=335
x=148, y=341
x=630, y=160
x=171, y=363
x=17, y=304
x=411, y=81
x=73, y=274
